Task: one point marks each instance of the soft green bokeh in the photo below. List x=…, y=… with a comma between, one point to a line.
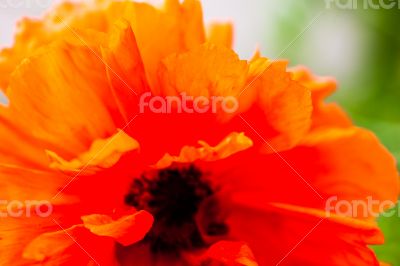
x=390, y=251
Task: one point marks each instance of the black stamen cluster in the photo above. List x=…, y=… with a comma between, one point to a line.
x=173, y=196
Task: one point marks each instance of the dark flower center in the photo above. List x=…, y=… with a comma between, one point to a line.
x=174, y=196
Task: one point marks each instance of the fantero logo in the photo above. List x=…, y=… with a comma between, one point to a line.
x=25, y=208
x=187, y=104
x=367, y=207
x=362, y=4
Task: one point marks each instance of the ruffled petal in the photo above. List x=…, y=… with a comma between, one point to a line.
x=178, y=27
x=18, y=139
x=32, y=217
x=71, y=246
x=208, y=70
x=125, y=230
x=55, y=25
x=225, y=253
x=64, y=113
x=285, y=104
x=103, y=153
x=26, y=184
x=278, y=107
x=232, y=144
x=221, y=34
x=324, y=114
x=123, y=58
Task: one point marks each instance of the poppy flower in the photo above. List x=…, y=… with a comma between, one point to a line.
x=131, y=186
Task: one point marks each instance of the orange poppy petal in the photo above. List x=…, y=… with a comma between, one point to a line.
x=321, y=87
x=15, y=234
x=71, y=246
x=123, y=58
x=190, y=20
x=356, y=166
x=375, y=236
x=349, y=164
x=62, y=95
x=126, y=230
x=329, y=115
x=278, y=108
x=221, y=34
x=30, y=220
x=336, y=162
x=180, y=73
x=6, y=67
x=32, y=33
x=12, y=130
x=227, y=253
x=369, y=231
x=290, y=238
x=285, y=103
x=324, y=114
x=103, y=153
x=178, y=26
x=233, y=143
x=207, y=70
x=26, y=184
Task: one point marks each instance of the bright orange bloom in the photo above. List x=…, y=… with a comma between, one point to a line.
x=146, y=188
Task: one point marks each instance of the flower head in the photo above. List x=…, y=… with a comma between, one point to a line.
x=133, y=186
